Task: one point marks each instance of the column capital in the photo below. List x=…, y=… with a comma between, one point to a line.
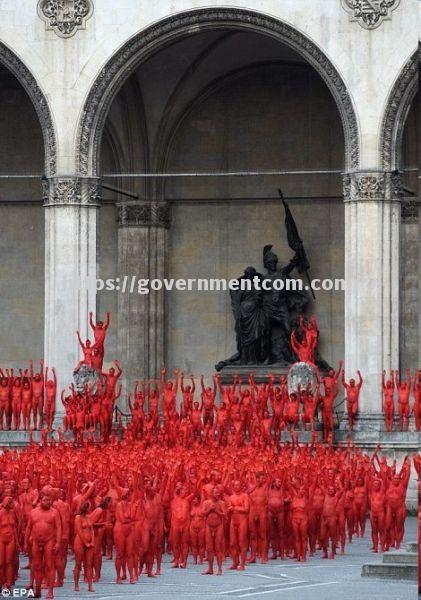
x=144, y=214
x=68, y=190
x=410, y=210
x=373, y=186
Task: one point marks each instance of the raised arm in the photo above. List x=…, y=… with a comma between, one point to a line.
x=339, y=371
x=294, y=343
x=317, y=394
x=119, y=369
x=80, y=340
x=91, y=320
x=360, y=379
x=215, y=386
x=163, y=371
x=176, y=376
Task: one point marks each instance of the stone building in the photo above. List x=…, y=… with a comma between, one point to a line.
x=100, y=99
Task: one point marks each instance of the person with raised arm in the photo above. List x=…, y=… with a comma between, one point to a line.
x=50, y=398
x=352, y=395
x=37, y=386
x=169, y=391
x=304, y=349
x=188, y=395
x=100, y=331
x=388, y=388
x=404, y=391
x=208, y=401
x=87, y=349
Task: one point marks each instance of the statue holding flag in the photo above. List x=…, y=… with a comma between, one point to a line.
x=281, y=307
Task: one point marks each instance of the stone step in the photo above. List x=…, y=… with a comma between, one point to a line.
x=400, y=556
x=412, y=547
x=390, y=571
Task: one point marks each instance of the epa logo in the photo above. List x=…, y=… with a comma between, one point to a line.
x=17, y=593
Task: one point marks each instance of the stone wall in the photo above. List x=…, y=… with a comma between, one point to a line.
x=21, y=284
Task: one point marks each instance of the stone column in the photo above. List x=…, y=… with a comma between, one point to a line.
x=71, y=205
x=372, y=230
x=142, y=242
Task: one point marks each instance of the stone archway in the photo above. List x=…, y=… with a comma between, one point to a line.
x=146, y=42
x=395, y=114
x=27, y=80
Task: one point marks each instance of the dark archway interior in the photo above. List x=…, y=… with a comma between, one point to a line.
x=217, y=101
x=21, y=226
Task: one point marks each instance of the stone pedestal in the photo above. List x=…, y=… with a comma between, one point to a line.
x=142, y=241
x=260, y=372
x=71, y=205
x=372, y=229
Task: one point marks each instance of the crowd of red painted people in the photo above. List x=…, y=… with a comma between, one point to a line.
x=206, y=504
x=182, y=476
x=27, y=399
x=169, y=409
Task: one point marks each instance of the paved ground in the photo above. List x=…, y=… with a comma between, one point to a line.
x=317, y=579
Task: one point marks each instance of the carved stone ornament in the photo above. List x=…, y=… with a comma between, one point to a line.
x=80, y=191
x=65, y=17
x=370, y=13
x=144, y=215
x=371, y=186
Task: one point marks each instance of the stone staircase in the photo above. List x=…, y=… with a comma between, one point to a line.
x=396, y=564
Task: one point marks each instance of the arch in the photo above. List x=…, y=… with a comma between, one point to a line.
x=395, y=114
x=146, y=42
x=166, y=145
x=38, y=99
